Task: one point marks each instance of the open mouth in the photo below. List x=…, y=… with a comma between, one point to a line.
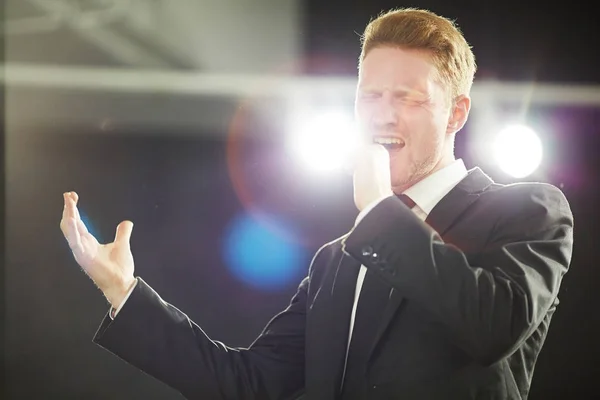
x=390, y=143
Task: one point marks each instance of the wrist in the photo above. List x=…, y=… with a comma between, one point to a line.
x=118, y=291
x=374, y=200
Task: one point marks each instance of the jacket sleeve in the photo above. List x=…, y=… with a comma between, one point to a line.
x=491, y=308
x=160, y=340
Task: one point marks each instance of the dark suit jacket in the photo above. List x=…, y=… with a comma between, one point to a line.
x=472, y=293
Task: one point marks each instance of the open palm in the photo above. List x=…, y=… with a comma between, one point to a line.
x=110, y=265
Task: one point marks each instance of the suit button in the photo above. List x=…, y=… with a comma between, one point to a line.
x=375, y=258
x=367, y=251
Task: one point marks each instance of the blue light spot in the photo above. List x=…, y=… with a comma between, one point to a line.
x=89, y=225
x=260, y=255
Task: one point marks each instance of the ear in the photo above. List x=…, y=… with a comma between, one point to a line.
x=459, y=113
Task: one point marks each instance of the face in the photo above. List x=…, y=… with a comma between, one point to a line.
x=401, y=104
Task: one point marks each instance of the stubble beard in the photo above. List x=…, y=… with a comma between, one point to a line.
x=417, y=170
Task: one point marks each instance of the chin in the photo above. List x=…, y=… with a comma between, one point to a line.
x=402, y=175
x=400, y=183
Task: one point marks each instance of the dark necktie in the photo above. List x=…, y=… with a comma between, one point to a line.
x=406, y=200
x=373, y=298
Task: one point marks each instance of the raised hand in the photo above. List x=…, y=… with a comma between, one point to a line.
x=110, y=265
x=372, y=177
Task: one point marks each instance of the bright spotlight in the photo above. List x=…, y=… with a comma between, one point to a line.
x=325, y=142
x=518, y=150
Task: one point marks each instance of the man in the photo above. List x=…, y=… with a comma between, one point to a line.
x=444, y=289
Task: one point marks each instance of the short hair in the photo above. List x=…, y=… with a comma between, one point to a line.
x=413, y=28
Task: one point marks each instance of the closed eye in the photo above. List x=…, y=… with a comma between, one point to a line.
x=410, y=96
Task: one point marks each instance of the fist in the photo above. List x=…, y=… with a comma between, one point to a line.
x=372, y=177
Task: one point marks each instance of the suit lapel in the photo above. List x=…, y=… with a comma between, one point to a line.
x=449, y=208
x=334, y=309
x=441, y=218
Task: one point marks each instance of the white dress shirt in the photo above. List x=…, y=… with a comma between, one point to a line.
x=426, y=194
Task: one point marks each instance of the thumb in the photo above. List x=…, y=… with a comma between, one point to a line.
x=124, y=232
x=353, y=157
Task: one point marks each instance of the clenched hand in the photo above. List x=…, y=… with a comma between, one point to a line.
x=372, y=177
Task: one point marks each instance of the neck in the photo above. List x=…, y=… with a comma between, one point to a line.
x=442, y=163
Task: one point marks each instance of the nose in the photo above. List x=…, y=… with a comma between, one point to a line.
x=384, y=112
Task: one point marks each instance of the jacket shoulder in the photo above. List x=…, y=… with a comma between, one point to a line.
x=529, y=210
x=524, y=195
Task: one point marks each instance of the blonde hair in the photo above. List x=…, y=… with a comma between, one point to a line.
x=418, y=29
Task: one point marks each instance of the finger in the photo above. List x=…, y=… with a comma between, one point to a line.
x=63, y=220
x=65, y=215
x=75, y=197
x=81, y=228
x=71, y=207
x=376, y=153
x=67, y=210
x=123, y=233
x=355, y=155
x=376, y=148
x=73, y=237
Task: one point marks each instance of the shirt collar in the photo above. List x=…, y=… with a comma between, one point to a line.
x=430, y=190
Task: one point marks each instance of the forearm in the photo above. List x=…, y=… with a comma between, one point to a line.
x=487, y=309
x=160, y=340
x=488, y=312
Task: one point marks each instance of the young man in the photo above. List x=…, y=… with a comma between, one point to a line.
x=444, y=289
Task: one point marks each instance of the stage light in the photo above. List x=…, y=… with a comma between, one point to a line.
x=518, y=150
x=324, y=143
